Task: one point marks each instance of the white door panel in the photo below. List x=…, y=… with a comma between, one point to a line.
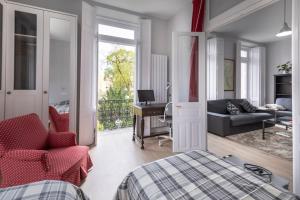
x=189, y=118
x=24, y=61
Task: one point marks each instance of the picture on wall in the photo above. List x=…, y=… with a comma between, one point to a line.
x=229, y=75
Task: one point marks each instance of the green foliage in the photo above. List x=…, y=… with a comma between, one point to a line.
x=287, y=67
x=117, y=102
x=120, y=75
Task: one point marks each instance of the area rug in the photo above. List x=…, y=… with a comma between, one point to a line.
x=275, y=144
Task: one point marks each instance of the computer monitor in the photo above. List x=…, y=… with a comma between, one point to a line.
x=146, y=96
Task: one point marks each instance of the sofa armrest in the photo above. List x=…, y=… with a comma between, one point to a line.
x=26, y=155
x=218, y=123
x=61, y=139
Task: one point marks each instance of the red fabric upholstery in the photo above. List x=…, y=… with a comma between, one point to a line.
x=197, y=26
x=34, y=155
x=59, y=122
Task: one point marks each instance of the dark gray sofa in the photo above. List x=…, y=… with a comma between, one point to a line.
x=286, y=103
x=221, y=123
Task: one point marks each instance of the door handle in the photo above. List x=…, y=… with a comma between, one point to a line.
x=45, y=92
x=8, y=92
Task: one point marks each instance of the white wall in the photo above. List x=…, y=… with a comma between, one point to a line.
x=229, y=53
x=160, y=36
x=277, y=53
x=180, y=23
x=59, y=71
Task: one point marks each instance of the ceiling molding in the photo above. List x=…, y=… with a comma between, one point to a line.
x=237, y=12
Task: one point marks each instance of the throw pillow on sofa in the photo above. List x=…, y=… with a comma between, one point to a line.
x=248, y=107
x=275, y=107
x=232, y=109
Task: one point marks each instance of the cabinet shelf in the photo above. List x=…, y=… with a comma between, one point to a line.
x=22, y=35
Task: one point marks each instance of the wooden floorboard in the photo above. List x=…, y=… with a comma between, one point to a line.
x=116, y=155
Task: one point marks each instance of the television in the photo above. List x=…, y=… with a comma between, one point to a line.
x=146, y=96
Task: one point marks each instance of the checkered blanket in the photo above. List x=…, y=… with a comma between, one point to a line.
x=196, y=175
x=45, y=190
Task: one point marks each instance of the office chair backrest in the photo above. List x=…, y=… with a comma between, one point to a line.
x=168, y=109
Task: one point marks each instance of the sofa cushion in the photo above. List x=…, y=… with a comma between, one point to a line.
x=61, y=160
x=285, y=102
x=248, y=107
x=249, y=118
x=217, y=106
x=284, y=113
x=232, y=109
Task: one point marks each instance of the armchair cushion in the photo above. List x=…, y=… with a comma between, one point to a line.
x=62, y=139
x=59, y=121
x=26, y=155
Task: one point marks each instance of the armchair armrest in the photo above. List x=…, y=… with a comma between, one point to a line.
x=218, y=123
x=61, y=139
x=26, y=155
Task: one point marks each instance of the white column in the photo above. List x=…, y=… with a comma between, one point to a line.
x=296, y=95
x=88, y=76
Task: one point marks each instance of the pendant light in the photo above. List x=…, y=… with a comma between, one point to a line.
x=286, y=30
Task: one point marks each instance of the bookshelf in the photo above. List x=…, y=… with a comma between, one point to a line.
x=282, y=86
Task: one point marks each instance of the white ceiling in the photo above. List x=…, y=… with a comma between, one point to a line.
x=261, y=26
x=163, y=9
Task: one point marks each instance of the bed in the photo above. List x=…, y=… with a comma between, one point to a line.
x=196, y=175
x=44, y=190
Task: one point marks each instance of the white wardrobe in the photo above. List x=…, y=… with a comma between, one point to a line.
x=38, y=61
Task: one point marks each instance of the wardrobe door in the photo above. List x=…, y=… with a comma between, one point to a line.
x=2, y=57
x=59, y=74
x=24, y=61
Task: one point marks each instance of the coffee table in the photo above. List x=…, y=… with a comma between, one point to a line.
x=283, y=121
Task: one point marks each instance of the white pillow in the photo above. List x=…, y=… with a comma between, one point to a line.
x=275, y=107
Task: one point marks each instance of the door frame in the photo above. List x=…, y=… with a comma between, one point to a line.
x=248, y=7
x=73, y=66
x=202, y=81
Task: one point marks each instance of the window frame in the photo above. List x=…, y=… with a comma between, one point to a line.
x=246, y=61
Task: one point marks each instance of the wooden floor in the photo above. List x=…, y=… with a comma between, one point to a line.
x=116, y=155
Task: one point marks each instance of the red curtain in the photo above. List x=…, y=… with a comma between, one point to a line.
x=197, y=26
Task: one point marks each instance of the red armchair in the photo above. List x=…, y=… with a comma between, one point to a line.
x=28, y=153
x=58, y=122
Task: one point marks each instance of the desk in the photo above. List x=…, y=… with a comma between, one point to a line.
x=142, y=111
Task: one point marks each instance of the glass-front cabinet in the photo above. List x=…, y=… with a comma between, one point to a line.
x=40, y=68
x=24, y=61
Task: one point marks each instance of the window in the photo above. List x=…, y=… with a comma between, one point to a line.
x=244, y=72
x=116, y=32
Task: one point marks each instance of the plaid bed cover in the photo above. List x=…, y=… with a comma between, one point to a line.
x=44, y=190
x=195, y=175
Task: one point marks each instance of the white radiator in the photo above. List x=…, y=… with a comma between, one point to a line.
x=159, y=81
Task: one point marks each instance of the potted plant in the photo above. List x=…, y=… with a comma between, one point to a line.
x=285, y=68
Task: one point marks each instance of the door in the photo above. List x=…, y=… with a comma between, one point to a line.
x=60, y=66
x=189, y=118
x=24, y=61
x=2, y=57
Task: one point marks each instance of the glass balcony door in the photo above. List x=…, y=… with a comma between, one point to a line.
x=24, y=61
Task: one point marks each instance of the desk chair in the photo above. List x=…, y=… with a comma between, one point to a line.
x=166, y=118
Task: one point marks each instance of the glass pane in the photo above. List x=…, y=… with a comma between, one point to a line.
x=244, y=80
x=187, y=60
x=244, y=54
x=116, y=32
x=1, y=45
x=60, y=66
x=25, y=51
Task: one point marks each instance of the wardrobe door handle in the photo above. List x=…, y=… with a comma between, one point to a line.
x=8, y=92
x=45, y=92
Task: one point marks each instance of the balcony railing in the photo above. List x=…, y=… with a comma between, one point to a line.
x=114, y=114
